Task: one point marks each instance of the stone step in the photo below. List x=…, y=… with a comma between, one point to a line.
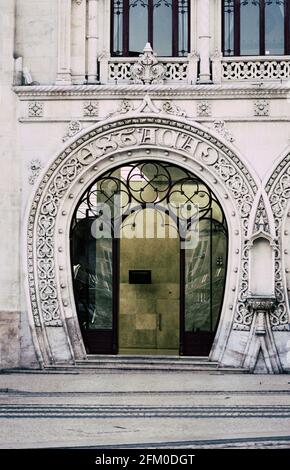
x=147, y=364
x=147, y=358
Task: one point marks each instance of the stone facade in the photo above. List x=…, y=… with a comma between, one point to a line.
x=70, y=111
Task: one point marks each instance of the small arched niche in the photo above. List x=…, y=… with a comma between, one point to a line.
x=261, y=266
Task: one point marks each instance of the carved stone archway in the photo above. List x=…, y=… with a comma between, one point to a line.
x=277, y=188
x=136, y=137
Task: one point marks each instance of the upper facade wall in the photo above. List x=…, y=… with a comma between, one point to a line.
x=69, y=42
x=36, y=38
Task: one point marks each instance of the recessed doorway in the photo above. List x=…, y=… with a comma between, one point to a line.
x=149, y=248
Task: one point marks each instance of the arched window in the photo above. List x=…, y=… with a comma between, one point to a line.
x=163, y=23
x=256, y=27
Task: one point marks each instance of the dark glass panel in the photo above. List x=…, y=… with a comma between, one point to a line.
x=162, y=27
x=118, y=10
x=92, y=276
x=197, y=282
x=183, y=19
x=274, y=28
x=228, y=27
x=219, y=264
x=138, y=26
x=205, y=271
x=250, y=28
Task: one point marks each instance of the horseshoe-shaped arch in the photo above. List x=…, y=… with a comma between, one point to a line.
x=52, y=312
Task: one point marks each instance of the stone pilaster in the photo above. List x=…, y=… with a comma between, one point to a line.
x=64, y=43
x=203, y=21
x=92, y=39
x=78, y=41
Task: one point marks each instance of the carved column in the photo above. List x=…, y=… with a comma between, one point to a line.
x=92, y=41
x=78, y=41
x=203, y=22
x=64, y=43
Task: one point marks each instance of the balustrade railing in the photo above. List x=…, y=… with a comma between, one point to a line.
x=122, y=70
x=184, y=70
x=252, y=68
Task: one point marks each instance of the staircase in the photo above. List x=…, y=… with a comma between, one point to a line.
x=136, y=363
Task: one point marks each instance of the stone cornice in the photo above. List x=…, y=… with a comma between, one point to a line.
x=223, y=91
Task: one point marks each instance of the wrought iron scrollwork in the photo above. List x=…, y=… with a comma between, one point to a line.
x=170, y=190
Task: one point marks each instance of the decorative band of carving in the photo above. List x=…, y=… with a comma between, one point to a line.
x=278, y=188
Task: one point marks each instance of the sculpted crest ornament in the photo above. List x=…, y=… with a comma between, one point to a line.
x=147, y=70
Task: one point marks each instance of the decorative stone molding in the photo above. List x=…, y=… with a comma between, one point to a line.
x=35, y=109
x=78, y=164
x=261, y=108
x=262, y=306
x=261, y=344
x=73, y=128
x=203, y=109
x=77, y=2
x=34, y=167
x=243, y=318
x=278, y=192
x=261, y=219
x=147, y=70
x=230, y=90
x=91, y=108
x=220, y=127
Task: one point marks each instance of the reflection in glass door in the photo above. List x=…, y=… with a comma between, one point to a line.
x=204, y=278
x=149, y=306
x=93, y=286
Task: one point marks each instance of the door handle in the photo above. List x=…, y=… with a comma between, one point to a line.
x=159, y=322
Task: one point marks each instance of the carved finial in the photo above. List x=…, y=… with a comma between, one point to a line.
x=261, y=224
x=147, y=70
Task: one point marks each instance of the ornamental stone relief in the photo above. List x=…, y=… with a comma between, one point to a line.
x=126, y=135
x=147, y=70
x=147, y=105
x=73, y=128
x=35, y=109
x=261, y=219
x=90, y=108
x=278, y=189
x=220, y=127
x=34, y=168
x=261, y=108
x=203, y=109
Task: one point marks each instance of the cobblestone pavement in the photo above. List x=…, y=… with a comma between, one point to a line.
x=144, y=410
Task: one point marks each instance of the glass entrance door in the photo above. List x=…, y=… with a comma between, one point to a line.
x=149, y=304
x=149, y=256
